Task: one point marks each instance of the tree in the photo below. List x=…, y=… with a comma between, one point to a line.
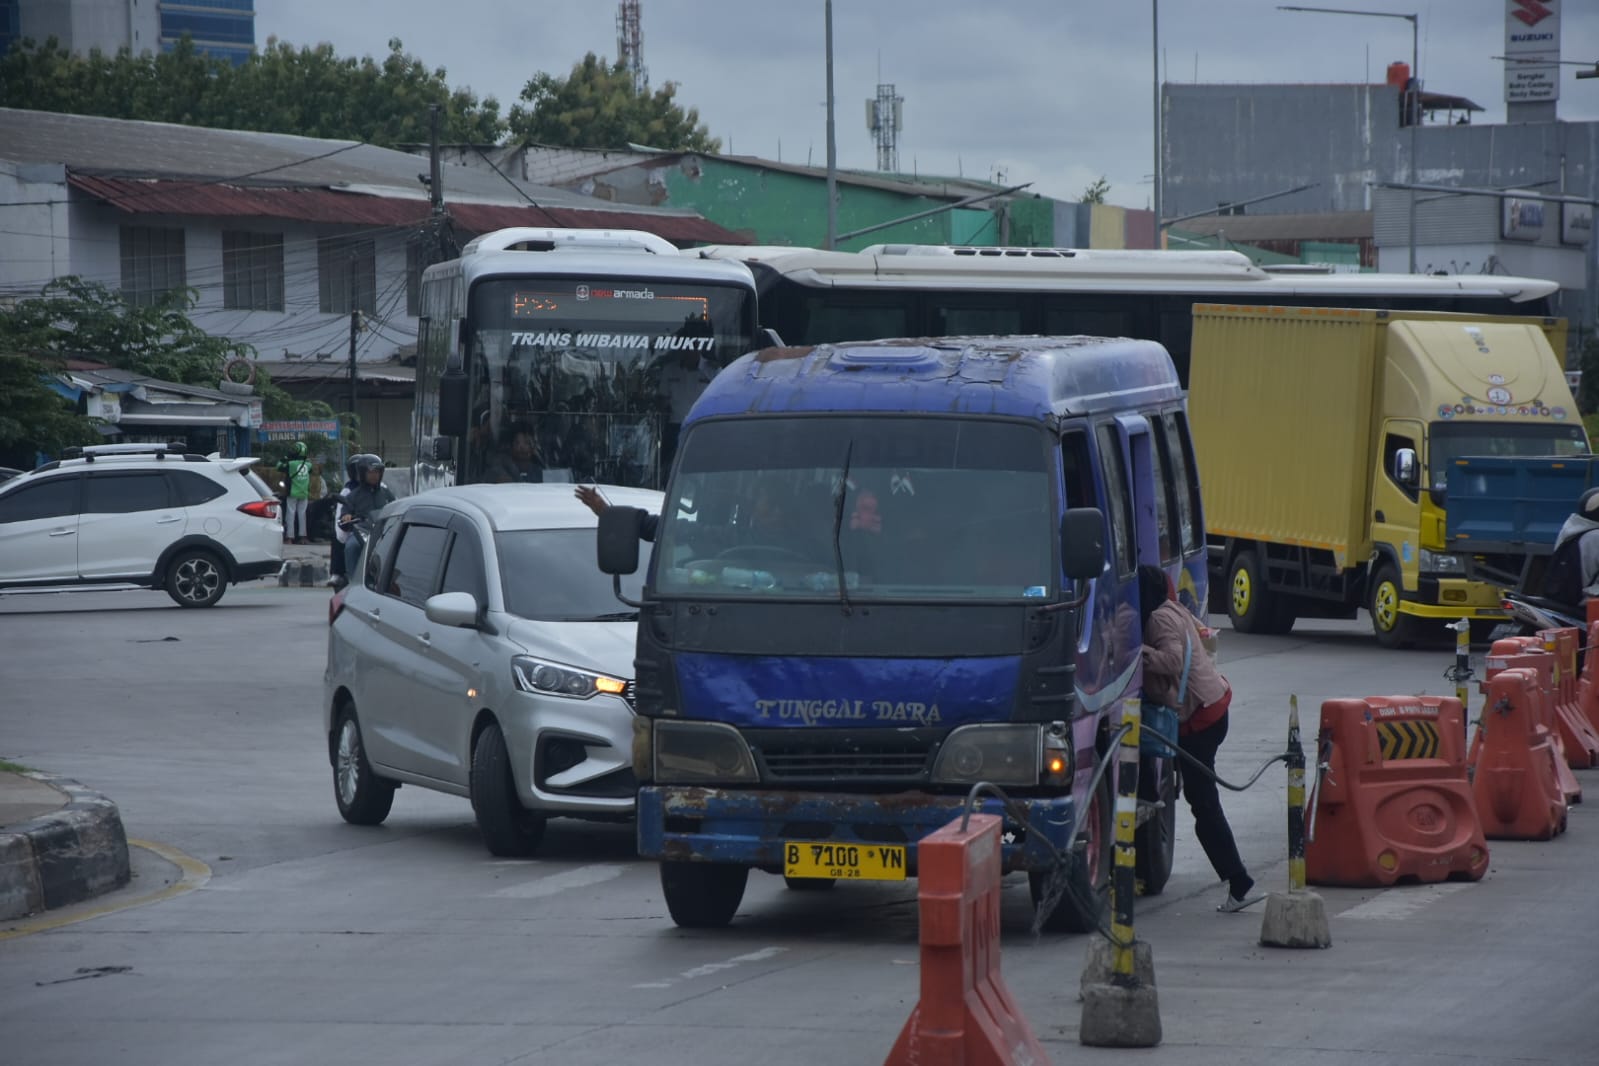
x=312, y=92
x=597, y=106
x=1095, y=193
x=33, y=417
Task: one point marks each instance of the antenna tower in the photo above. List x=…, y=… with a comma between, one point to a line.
x=630, y=44
x=885, y=118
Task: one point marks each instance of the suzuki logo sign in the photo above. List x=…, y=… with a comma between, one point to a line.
x=1532, y=51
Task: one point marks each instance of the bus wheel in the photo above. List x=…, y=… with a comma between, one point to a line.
x=1085, y=905
x=1249, y=605
x=1156, y=840
x=1392, y=628
x=703, y=895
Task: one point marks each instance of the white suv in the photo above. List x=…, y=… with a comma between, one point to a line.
x=140, y=516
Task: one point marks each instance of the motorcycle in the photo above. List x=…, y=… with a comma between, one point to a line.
x=1531, y=614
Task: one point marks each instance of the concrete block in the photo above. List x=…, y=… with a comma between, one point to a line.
x=1120, y=1016
x=1295, y=920
x=1097, y=963
x=20, y=891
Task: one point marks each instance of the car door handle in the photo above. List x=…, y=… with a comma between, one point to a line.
x=425, y=639
x=168, y=519
x=62, y=532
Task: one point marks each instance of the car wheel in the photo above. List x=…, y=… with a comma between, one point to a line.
x=808, y=884
x=363, y=797
x=196, y=578
x=1156, y=840
x=1392, y=628
x=1249, y=604
x=1085, y=904
x=703, y=895
x=510, y=830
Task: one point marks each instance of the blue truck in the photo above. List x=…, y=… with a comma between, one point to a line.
x=885, y=572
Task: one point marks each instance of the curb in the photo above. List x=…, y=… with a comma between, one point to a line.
x=302, y=573
x=67, y=856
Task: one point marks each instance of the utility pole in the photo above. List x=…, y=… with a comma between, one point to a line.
x=832, y=147
x=355, y=329
x=1154, y=48
x=435, y=174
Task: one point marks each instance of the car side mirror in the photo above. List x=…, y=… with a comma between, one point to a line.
x=458, y=609
x=1405, y=467
x=616, y=542
x=453, y=415
x=1082, y=542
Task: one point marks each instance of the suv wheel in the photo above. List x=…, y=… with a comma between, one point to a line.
x=196, y=578
x=363, y=797
x=510, y=830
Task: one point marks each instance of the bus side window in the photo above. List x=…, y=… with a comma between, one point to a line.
x=1118, y=497
x=1077, y=469
x=1184, y=480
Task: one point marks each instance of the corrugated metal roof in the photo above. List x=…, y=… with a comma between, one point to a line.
x=161, y=197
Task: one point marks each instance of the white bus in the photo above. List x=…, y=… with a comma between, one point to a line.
x=569, y=354
x=887, y=290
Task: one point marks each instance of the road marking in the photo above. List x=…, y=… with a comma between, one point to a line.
x=714, y=967
x=1402, y=902
x=582, y=877
x=195, y=874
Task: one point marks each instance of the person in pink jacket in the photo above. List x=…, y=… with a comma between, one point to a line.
x=1176, y=664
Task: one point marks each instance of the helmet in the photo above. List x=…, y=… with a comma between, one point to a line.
x=299, y=447
x=364, y=462
x=1588, y=505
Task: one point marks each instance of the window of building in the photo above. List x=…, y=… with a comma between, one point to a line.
x=152, y=263
x=252, y=271
x=347, y=275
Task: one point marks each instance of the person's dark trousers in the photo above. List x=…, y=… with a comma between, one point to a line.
x=336, y=559
x=1204, y=799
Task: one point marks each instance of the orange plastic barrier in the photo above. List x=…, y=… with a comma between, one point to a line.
x=1588, y=687
x=1513, y=763
x=1576, y=732
x=1541, y=664
x=1394, y=803
x=965, y=1016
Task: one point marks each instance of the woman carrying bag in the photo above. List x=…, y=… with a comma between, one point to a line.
x=1179, y=673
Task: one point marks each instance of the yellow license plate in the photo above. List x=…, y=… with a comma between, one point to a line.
x=847, y=862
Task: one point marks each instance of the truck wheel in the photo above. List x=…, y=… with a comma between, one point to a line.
x=1156, y=840
x=1249, y=605
x=1392, y=628
x=703, y=895
x=1085, y=905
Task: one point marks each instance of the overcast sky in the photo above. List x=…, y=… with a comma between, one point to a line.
x=1056, y=92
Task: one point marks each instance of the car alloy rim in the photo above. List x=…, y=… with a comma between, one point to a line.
x=1096, y=842
x=349, y=761
x=197, y=580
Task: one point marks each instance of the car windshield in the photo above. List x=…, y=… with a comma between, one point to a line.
x=870, y=508
x=1454, y=440
x=550, y=575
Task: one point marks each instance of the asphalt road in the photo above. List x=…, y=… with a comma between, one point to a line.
x=317, y=941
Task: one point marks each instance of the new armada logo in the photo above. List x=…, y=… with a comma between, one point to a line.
x=1530, y=12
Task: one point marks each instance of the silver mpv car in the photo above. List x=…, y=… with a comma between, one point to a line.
x=482, y=653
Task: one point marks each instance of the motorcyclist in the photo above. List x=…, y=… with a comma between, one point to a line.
x=1573, y=573
x=352, y=477
x=368, y=497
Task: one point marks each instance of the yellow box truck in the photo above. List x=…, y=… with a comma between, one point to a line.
x=1324, y=437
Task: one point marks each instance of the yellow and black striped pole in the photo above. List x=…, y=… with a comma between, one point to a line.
x=1296, y=800
x=1123, y=884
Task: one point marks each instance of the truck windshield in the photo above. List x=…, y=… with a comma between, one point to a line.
x=915, y=508
x=1453, y=440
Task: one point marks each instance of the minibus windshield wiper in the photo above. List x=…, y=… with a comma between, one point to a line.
x=838, y=526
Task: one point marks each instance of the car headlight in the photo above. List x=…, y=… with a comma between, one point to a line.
x=1439, y=563
x=553, y=679
x=1003, y=754
x=701, y=752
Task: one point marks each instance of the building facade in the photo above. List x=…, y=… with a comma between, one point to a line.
x=222, y=28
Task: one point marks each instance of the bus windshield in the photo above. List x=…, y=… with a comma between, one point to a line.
x=863, y=508
x=577, y=378
x=1453, y=440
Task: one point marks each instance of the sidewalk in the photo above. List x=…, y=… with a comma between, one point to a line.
x=60, y=843
x=304, y=565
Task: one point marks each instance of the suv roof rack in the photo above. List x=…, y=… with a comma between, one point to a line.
x=89, y=453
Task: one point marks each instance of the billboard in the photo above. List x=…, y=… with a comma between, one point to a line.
x=294, y=430
x=1576, y=223
x=1523, y=219
x=1532, y=51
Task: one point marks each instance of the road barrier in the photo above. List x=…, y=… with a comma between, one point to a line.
x=1296, y=918
x=1526, y=653
x=1576, y=732
x=965, y=1016
x=1588, y=685
x=1514, y=783
x=1394, y=802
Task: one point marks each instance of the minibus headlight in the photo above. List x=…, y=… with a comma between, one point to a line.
x=1002, y=754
